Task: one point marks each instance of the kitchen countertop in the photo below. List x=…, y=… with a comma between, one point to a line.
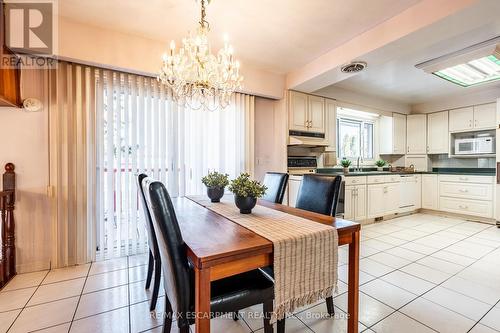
x=443, y=171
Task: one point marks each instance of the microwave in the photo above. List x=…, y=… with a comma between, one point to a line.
x=481, y=145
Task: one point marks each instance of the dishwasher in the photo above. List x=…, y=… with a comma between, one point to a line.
x=408, y=191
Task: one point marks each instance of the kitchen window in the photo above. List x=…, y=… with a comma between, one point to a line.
x=355, y=138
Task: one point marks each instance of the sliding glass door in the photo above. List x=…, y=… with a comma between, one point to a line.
x=139, y=129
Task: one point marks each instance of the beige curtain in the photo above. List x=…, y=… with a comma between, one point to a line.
x=72, y=157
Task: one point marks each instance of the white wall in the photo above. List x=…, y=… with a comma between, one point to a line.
x=484, y=96
x=379, y=105
x=24, y=142
x=270, y=137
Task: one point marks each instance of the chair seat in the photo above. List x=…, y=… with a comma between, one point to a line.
x=239, y=291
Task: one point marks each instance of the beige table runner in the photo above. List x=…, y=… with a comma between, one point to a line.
x=305, y=253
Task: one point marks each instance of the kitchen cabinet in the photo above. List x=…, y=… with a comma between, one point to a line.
x=416, y=134
x=293, y=189
x=297, y=111
x=419, y=162
x=437, y=133
x=331, y=125
x=383, y=199
x=306, y=113
x=393, y=134
x=485, y=116
x=430, y=191
x=355, y=202
x=476, y=117
x=468, y=195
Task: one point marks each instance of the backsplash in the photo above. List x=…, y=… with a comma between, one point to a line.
x=443, y=161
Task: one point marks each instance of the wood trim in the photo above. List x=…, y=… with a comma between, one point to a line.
x=239, y=266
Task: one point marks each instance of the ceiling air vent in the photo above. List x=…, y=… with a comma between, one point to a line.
x=353, y=67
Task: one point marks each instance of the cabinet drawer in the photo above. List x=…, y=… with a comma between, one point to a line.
x=466, y=190
x=466, y=179
x=378, y=179
x=467, y=207
x=357, y=180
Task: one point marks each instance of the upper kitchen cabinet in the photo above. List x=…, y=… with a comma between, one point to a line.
x=297, y=111
x=477, y=117
x=306, y=112
x=485, y=116
x=437, y=133
x=416, y=134
x=393, y=134
x=331, y=124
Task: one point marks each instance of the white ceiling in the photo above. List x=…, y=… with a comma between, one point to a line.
x=276, y=35
x=391, y=72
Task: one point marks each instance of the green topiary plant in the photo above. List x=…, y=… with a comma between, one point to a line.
x=380, y=163
x=345, y=163
x=215, y=180
x=243, y=186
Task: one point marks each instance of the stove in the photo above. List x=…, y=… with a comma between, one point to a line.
x=299, y=165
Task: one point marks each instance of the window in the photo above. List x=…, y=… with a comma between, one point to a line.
x=355, y=136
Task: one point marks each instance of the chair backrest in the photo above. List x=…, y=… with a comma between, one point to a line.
x=152, y=242
x=276, y=186
x=173, y=252
x=319, y=194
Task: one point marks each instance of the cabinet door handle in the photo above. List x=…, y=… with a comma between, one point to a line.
x=464, y=178
x=464, y=190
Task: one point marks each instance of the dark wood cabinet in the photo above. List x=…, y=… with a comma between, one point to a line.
x=10, y=76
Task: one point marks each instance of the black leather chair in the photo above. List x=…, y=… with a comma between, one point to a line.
x=319, y=194
x=227, y=295
x=276, y=186
x=154, y=262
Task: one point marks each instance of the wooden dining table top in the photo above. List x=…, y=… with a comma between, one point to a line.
x=213, y=239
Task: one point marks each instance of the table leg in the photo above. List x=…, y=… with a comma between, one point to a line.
x=202, y=300
x=353, y=286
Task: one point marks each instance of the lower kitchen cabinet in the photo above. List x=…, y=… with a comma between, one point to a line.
x=383, y=199
x=430, y=192
x=355, y=202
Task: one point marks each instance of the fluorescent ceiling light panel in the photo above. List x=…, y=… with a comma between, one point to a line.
x=474, y=72
x=474, y=65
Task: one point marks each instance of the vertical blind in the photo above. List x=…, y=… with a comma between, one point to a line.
x=140, y=129
x=106, y=127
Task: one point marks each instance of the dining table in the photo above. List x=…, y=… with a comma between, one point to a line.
x=218, y=247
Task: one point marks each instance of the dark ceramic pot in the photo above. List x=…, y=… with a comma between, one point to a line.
x=215, y=193
x=245, y=204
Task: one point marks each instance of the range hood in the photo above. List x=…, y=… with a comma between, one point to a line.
x=307, y=139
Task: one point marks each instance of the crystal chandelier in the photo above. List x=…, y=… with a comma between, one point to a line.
x=198, y=78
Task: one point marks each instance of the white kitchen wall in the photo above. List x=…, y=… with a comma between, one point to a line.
x=443, y=161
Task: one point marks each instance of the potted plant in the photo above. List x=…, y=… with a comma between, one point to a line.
x=380, y=164
x=345, y=164
x=246, y=192
x=215, y=183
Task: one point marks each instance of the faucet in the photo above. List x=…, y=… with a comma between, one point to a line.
x=359, y=158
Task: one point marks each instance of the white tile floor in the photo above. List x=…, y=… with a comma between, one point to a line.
x=419, y=273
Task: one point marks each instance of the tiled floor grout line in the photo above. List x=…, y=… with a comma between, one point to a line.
x=29, y=299
x=79, y=298
x=436, y=285
x=494, y=305
x=128, y=297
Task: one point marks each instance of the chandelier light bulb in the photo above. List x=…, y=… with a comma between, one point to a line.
x=198, y=78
